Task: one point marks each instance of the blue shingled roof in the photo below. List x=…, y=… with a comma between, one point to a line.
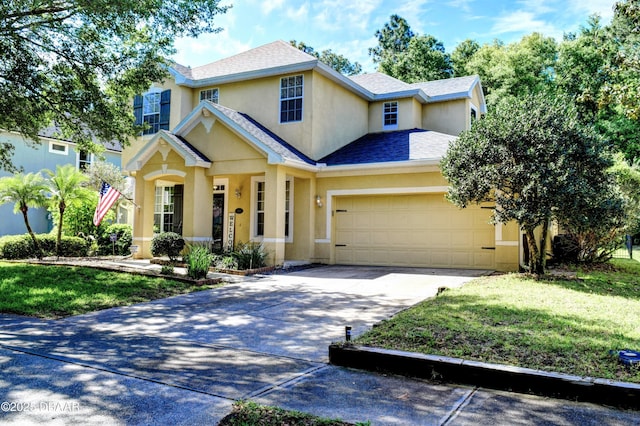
x=401, y=145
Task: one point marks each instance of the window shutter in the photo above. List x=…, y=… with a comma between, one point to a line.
x=165, y=104
x=137, y=109
x=178, y=197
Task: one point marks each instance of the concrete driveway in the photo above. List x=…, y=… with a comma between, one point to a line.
x=185, y=359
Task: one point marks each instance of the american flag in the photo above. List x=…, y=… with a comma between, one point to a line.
x=108, y=196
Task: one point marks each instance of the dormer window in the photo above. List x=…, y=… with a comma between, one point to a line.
x=390, y=116
x=209, y=95
x=291, y=89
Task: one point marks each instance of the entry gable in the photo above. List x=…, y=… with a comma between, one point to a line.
x=277, y=150
x=165, y=142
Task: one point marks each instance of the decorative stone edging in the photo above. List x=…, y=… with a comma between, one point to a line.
x=493, y=376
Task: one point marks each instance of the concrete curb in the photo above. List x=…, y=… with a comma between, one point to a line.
x=493, y=376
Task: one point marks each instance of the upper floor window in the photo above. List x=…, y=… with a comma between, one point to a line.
x=58, y=148
x=390, y=115
x=474, y=115
x=152, y=108
x=84, y=160
x=291, y=89
x=209, y=95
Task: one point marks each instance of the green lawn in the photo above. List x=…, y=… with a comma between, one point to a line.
x=246, y=413
x=560, y=325
x=59, y=291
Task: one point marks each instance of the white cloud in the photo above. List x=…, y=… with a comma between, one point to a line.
x=337, y=15
x=463, y=5
x=207, y=48
x=523, y=22
x=604, y=8
x=298, y=14
x=269, y=6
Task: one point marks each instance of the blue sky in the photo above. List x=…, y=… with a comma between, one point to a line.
x=348, y=27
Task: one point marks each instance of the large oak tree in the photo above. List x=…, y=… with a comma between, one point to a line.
x=75, y=64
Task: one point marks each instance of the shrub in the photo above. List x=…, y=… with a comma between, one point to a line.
x=225, y=261
x=250, y=255
x=21, y=246
x=167, y=243
x=124, y=239
x=198, y=262
x=167, y=269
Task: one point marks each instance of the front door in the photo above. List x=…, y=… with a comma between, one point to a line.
x=218, y=222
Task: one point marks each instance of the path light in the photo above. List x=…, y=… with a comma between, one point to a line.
x=347, y=333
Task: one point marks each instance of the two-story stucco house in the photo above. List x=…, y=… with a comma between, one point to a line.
x=51, y=151
x=272, y=145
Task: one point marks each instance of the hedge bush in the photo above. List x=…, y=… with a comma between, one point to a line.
x=167, y=243
x=21, y=246
x=123, y=241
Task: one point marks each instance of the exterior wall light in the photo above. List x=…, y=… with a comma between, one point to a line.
x=238, y=193
x=318, y=201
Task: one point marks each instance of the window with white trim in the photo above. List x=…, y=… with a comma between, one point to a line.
x=84, y=160
x=209, y=95
x=163, y=209
x=258, y=213
x=291, y=92
x=151, y=112
x=474, y=115
x=58, y=148
x=390, y=115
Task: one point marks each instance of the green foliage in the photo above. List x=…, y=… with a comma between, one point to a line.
x=198, y=262
x=517, y=69
x=167, y=269
x=334, y=60
x=249, y=413
x=124, y=239
x=461, y=56
x=250, y=255
x=407, y=56
x=21, y=246
x=533, y=158
x=66, y=188
x=78, y=63
x=25, y=191
x=225, y=261
x=167, y=243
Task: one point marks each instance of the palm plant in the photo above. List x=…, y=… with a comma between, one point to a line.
x=66, y=187
x=25, y=191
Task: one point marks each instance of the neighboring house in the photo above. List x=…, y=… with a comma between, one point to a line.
x=49, y=153
x=273, y=146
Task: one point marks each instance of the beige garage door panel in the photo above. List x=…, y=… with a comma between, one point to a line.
x=412, y=230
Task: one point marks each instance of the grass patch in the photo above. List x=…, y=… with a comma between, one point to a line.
x=59, y=291
x=246, y=413
x=560, y=325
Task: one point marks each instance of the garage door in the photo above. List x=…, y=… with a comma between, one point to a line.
x=412, y=230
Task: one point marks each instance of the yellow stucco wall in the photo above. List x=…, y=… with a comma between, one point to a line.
x=409, y=115
x=450, y=117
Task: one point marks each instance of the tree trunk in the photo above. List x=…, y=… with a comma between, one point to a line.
x=544, y=235
x=61, y=207
x=24, y=210
x=534, y=254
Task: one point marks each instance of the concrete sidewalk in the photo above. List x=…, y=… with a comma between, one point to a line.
x=183, y=360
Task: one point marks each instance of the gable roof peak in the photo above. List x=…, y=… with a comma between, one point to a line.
x=275, y=57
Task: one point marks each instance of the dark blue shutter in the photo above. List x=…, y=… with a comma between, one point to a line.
x=165, y=104
x=137, y=109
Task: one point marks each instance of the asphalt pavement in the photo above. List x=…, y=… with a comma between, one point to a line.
x=185, y=359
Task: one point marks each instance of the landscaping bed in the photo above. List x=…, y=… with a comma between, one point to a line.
x=248, y=413
x=550, y=324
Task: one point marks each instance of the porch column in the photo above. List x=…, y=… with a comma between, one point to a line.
x=197, y=206
x=143, y=217
x=275, y=197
